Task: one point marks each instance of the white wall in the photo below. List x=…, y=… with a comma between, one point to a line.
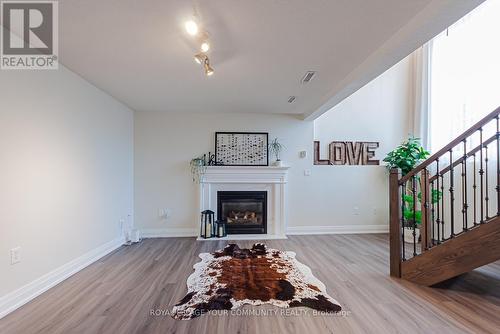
x=378, y=112
x=66, y=171
x=165, y=142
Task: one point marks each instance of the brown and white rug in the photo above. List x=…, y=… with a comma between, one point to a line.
x=232, y=277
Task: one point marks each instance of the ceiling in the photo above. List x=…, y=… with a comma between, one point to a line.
x=138, y=51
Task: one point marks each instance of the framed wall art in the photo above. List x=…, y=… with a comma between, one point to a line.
x=241, y=148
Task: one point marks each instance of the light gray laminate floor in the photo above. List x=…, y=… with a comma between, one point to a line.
x=118, y=293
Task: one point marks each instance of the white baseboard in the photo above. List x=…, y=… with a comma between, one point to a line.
x=341, y=229
x=23, y=295
x=169, y=232
x=292, y=230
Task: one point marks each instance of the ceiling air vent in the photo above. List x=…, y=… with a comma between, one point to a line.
x=308, y=77
x=291, y=99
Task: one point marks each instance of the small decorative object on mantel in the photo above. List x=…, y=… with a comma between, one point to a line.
x=276, y=147
x=210, y=159
x=207, y=224
x=220, y=229
x=347, y=153
x=241, y=148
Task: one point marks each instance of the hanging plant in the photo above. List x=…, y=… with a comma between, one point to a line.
x=198, y=169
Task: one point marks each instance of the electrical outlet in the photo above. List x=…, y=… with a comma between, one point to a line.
x=15, y=255
x=164, y=213
x=355, y=211
x=303, y=154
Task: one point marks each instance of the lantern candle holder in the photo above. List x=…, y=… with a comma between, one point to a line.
x=207, y=229
x=220, y=229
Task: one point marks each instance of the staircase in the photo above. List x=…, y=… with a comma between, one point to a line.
x=445, y=213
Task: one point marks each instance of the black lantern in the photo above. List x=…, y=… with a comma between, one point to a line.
x=220, y=229
x=207, y=224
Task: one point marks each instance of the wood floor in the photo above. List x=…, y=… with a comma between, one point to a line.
x=118, y=293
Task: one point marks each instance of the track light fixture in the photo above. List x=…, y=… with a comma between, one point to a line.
x=200, y=58
x=205, y=46
x=191, y=27
x=208, y=69
x=194, y=29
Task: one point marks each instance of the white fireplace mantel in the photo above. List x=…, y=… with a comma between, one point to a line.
x=235, y=178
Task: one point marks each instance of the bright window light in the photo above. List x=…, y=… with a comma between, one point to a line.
x=465, y=72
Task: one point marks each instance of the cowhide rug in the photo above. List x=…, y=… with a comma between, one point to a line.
x=232, y=277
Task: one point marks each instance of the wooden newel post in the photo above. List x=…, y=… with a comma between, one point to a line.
x=425, y=200
x=395, y=233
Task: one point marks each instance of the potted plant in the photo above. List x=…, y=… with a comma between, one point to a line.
x=413, y=216
x=276, y=147
x=405, y=157
x=198, y=168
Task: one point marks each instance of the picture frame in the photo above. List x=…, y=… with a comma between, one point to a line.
x=242, y=148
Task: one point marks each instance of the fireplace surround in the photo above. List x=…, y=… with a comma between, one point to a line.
x=271, y=180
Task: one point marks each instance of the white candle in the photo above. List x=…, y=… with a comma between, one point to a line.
x=208, y=231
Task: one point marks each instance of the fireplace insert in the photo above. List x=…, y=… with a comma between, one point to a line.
x=245, y=212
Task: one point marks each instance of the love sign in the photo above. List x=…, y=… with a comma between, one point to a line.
x=347, y=153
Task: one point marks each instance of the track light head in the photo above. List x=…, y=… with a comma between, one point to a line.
x=205, y=46
x=208, y=69
x=200, y=58
x=191, y=27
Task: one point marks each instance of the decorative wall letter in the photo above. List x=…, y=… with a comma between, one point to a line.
x=317, y=160
x=347, y=153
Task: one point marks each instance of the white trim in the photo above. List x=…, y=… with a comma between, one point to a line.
x=293, y=230
x=170, y=232
x=23, y=295
x=341, y=229
x=270, y=179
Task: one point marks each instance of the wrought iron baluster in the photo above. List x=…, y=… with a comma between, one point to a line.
x=465, y=206
x=414, y=223
x=433, y=225
x=486, y=198
x=442, y=207
x=481, y=175
x=438, y=220
x=403, y=193
x=474, y=189
x=452, y=196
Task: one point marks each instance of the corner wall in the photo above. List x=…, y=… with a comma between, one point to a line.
x=66, y=176
x=378, y=112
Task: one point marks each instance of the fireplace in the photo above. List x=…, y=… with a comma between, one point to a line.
x=245, y=212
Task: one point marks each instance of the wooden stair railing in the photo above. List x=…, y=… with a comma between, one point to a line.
x=446, y=196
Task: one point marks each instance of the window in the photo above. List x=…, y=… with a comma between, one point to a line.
x=464, y=80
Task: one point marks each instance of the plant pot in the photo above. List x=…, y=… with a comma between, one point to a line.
x=278, y=163
x=408, y=234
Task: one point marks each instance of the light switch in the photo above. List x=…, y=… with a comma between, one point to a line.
x=15, y=255
x=307, y=172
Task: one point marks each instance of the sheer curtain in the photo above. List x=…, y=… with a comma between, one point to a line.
x=464, y=75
